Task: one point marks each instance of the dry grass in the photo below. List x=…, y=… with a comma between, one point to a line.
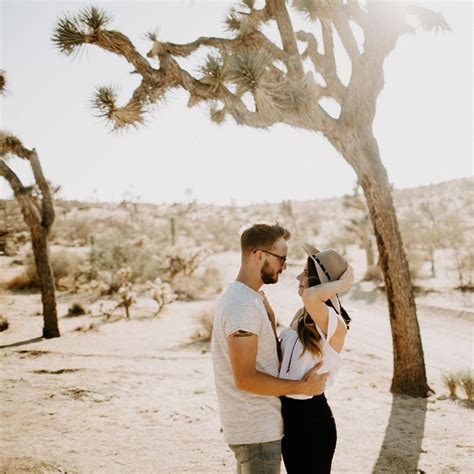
x=455, y=380
x=450, y=379
x=205, y=320
x=3, y=323
x=466, y=380
x=20, y=281
x=76, y=309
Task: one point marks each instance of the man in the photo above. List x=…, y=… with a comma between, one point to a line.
x=245, y=357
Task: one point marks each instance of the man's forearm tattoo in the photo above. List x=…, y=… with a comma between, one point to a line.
x=241, y=333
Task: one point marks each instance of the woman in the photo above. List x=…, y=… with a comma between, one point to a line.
x=316, y=335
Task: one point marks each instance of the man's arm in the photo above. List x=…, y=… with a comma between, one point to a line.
x=243, y=348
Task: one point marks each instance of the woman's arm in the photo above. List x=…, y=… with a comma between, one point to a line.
x=314, y=297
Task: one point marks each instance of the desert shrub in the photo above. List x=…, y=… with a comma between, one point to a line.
x=161, y=292
x=111, y=256
x=75, y=231
x=64, y=265
x=466, y=380
x=198, y=286
x=20, y=281
x=76, y=309
x=415, y=263
x=3, y=323
x=204, y=331
x=451, y=380
x=464, y=266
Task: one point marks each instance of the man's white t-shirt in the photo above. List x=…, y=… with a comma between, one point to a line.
x=246, y=418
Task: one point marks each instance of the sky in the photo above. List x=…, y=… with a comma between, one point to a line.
x=423, y=123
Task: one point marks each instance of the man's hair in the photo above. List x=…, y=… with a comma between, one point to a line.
x=262, y=236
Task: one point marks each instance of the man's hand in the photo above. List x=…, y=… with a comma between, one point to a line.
x=315, y=383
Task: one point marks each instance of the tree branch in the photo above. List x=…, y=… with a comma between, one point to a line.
x=346, y=34
x=324, y=66
x=47, y=209
x=30, y=213
x=293, y=61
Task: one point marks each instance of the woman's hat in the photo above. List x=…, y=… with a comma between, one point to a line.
x=329, y=265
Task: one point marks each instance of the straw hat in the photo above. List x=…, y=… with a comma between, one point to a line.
x=329, y=265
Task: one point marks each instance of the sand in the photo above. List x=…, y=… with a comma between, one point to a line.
x=138, y=395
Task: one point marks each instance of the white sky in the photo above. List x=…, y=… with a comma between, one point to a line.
x=423, y=122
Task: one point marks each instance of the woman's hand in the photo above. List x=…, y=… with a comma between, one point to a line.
x=347, y=278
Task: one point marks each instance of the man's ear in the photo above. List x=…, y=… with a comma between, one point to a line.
x=258, y=255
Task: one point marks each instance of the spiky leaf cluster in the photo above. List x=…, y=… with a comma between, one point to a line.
x=249, y=70
x=8, y=144
x=104, y=101
x=3, y=82
x=214, y=70
x=240, y=23
x=297, y=94
x=72, y=31
x=315, y=9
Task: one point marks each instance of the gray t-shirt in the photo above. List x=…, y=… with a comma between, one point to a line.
x=246, y=418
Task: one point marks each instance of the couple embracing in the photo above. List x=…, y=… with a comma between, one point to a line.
x=270, y=389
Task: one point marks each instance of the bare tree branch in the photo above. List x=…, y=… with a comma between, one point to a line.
x=29, y=211
x=285, y=27
x=47, y=209
x=324, y=66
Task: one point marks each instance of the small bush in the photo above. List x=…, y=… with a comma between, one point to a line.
x=161, y=292
x=204, y=332
x=19, y=282
x=450, y=379
x=3, y=323
x=466, y=380
x=198, y=286
x=64, y=265
x=76, y=309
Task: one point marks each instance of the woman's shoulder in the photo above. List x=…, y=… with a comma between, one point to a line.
x=287, y=332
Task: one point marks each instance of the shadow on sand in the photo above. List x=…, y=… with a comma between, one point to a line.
x=401, y=448
x=22, y=343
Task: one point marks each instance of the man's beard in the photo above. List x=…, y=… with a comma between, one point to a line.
x=268, y=277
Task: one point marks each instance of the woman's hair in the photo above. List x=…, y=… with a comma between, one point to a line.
x=306, y=328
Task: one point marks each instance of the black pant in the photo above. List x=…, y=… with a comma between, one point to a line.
x=310, y=435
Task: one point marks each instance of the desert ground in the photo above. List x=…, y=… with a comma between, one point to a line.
x=138, y=395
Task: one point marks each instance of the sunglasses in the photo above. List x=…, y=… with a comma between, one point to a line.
x=281, y=258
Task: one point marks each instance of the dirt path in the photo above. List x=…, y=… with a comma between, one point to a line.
x=138, y=396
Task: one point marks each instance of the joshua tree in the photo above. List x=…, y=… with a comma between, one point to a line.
x=38, y=212
x=361, y=226
x=260, y=82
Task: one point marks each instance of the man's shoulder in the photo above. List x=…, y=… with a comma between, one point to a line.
x=236, y=294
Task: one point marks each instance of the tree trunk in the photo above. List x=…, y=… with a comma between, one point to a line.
x=409, y=375
x=45, y=277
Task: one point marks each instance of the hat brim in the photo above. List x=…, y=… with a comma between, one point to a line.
x=309, y=249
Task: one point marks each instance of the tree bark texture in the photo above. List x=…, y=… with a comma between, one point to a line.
x=39, y=239
x=409, y=376
x=39, y=216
